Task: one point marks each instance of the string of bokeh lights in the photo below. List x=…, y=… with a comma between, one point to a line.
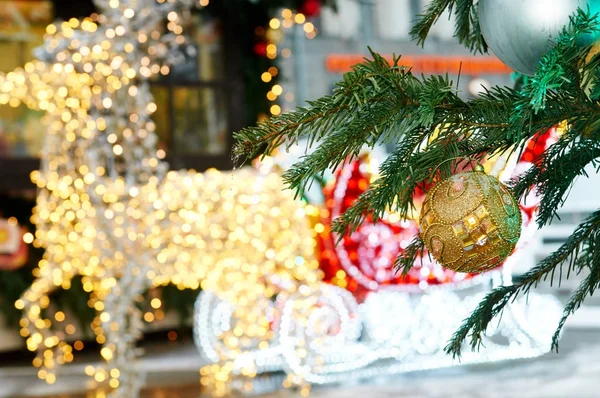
x=274, y=35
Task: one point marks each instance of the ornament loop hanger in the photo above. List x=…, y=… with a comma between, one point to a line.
x=478, y=167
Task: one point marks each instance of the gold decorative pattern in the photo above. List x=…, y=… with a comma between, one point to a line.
x=470, y=222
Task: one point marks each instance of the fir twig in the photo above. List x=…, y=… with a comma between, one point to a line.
x=467, y=23
x=406, y=260
x=476, y=325
x=587, y=288
x=556, y=172
x=493, y=304
x=357, y=91
x=429, y=124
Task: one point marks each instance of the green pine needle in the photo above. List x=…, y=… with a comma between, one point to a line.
x=467, y=23
x=475, y=326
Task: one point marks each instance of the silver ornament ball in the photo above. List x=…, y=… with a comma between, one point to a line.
x=519, y=32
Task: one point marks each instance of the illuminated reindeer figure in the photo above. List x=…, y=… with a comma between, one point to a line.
x=109, y=211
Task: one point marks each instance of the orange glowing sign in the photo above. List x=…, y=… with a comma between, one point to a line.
x=427, y=64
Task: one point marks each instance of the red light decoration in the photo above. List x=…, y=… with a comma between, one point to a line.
x=311, y=8
x=363, y=261
x=260, y=48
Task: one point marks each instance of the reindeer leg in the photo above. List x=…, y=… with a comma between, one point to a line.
x=121, y=327
x=52, y=351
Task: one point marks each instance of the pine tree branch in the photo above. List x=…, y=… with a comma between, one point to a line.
x=273, y=132
x=430, y=124
x=406, y=260
x=554, y=175
x=435, y=9
x=560, y=81
x=346, y=142
x=357, y=90
x=400, y=174
x=470, y=129
x=475, y=326
x=561, y=71
x=466, y=28
x=586, y=288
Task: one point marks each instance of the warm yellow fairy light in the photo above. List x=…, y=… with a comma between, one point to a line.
x=106, y=353
x=275, y=110
x=274, y=23
x=59, y=316
x=287, y=23
x=155, y=303
x=277, y=89
x=312, y=34
x=28, y=237
x=271, y=49
x=148, y=317
x=273, y=35
x=266, y=77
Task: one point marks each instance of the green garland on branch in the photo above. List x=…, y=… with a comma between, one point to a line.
x=382, y=103
x=467, y=23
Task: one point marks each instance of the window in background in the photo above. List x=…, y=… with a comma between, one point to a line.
x=22, y=26
x=199, y=103
x=200, y=121
x=194, y=117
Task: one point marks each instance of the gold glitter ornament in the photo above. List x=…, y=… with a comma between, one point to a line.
x=470, y=222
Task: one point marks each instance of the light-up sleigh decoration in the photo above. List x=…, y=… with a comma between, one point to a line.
x=364, y=320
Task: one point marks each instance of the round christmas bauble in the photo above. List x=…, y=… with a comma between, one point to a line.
x=519, y=32
x=470, y=222
x=363, y=261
